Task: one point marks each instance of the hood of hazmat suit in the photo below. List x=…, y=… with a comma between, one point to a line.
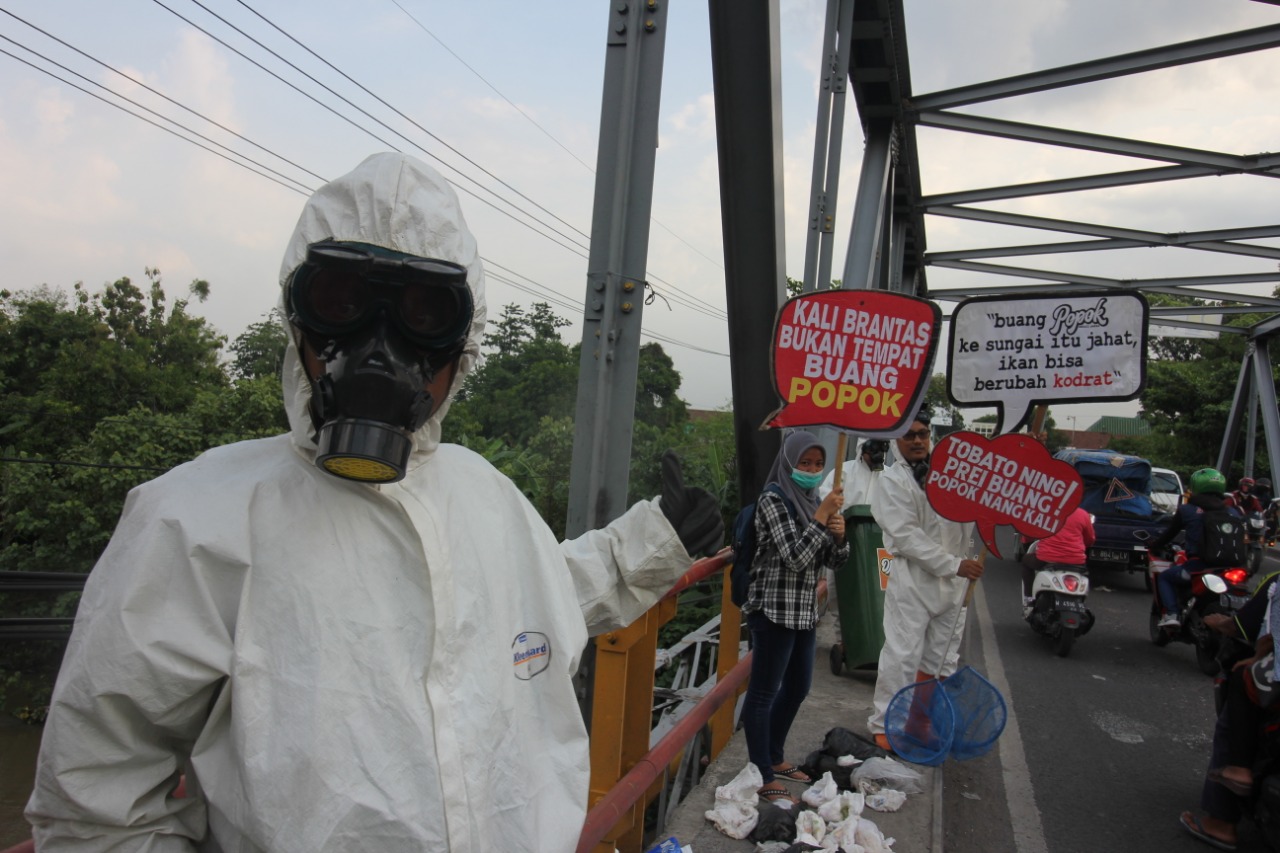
x=336, y=665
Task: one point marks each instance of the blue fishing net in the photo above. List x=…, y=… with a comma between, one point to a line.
x=980, y=713
x=920, y=723
x=960, y=716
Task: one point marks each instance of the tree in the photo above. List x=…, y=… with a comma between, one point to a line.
x=101, y=393
x=259, y=350
x=1188, y=394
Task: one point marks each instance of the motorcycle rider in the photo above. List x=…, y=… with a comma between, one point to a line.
x=1244, y=497
x=1069, y=546
x=1208, y=488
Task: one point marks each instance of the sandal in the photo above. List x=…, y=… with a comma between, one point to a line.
x=1191, y=823
x=774, y=792
x=795, y=774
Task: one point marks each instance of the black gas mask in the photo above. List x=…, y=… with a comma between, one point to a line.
x=382, y=324
x=875, y=449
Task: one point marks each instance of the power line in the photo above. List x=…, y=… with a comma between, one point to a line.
x=512, y=104
x=396, y=111
x=176, y=103
x=126, y=98
x=150, y=122
x=372, y=117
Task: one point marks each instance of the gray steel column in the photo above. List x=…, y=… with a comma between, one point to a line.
x=617, y=264
x=1228, y=450
x=870, y=207
x=828, y=144
x=745, y=48
x=1267, y=404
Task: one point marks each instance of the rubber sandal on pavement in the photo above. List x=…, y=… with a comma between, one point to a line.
x=1191, y=823
x=775, y=793
x=795, y=774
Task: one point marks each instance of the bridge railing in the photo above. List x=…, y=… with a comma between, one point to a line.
x=626, y=775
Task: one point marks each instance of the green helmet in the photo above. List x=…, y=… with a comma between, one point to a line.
x=1208, y=481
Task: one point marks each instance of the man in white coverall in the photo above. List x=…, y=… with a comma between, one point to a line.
x=860, y=474
x=350, y=637
x=927, y=577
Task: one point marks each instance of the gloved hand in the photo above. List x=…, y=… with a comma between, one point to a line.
x=693, y=512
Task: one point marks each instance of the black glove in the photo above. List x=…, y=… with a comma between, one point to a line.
x=693, y=512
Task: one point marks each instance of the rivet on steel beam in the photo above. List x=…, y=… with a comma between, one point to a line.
x=626, y=307
x=628, y=286
x=649, y=25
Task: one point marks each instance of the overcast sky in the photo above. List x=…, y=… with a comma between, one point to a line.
x=91, y=193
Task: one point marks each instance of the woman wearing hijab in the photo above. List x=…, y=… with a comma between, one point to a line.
x=798, y=537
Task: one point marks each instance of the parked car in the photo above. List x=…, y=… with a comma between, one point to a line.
x=1166, y=490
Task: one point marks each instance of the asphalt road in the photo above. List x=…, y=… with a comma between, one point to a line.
x=1103, y=748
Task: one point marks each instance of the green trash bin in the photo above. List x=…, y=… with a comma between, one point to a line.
x=860, y=593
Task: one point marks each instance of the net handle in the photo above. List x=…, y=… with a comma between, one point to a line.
x=955, y=626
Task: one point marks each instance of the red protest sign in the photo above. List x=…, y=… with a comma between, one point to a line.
x=1011, y=479
x=853, y=359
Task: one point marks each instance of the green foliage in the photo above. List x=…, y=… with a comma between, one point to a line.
x=1187, y=398
x=101, y=393
x=260, y=350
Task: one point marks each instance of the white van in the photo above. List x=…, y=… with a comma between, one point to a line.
x=1166, y=490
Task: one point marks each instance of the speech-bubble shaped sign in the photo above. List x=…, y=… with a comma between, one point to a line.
x=1064, y=348
x=853, y=359
x=1010, y=479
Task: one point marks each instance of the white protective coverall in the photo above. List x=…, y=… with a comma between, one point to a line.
x=858, y=481
x=338, y=666
x=923, y=599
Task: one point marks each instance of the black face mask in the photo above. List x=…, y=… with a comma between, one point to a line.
x=920, y=470
x=369, y=402
x=873, y=454
x=382, y=328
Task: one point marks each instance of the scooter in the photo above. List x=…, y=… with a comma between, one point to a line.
x=1255, y=540
x=1211, y=591
x=1058, y=610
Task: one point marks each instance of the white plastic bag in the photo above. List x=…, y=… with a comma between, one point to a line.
x=734, y=813
x=868, y=836
x=845, y=836
x=886, y=800
x=735, y=820
x=893, y=774
x=822, y=791
x=845, y=805
x=810, y=828
x=742, y=788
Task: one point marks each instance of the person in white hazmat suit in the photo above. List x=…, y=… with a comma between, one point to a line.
x=377, y=660
x=861, y=474
x=927, y=577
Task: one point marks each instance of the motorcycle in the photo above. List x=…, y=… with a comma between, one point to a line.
x=1211, y=591
x=1058, y=611
x=1263, y=804
x=1255, y=540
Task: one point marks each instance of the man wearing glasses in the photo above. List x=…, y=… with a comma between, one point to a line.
x=922, y=603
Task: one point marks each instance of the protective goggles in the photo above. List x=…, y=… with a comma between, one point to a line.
x=339, y=289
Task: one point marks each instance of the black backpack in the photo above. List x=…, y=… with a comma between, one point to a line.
x=1222, y=543
x=744, y=546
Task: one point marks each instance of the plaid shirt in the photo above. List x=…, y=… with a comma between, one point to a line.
x=790, y=556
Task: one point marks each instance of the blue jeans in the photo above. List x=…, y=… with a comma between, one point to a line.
x=781, y=672
x=1173, y=577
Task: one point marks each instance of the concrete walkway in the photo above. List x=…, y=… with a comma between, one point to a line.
x=834, y=700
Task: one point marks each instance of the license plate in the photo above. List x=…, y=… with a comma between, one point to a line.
x=1075, y=605
x=1109, y=555
x=1235, y=602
